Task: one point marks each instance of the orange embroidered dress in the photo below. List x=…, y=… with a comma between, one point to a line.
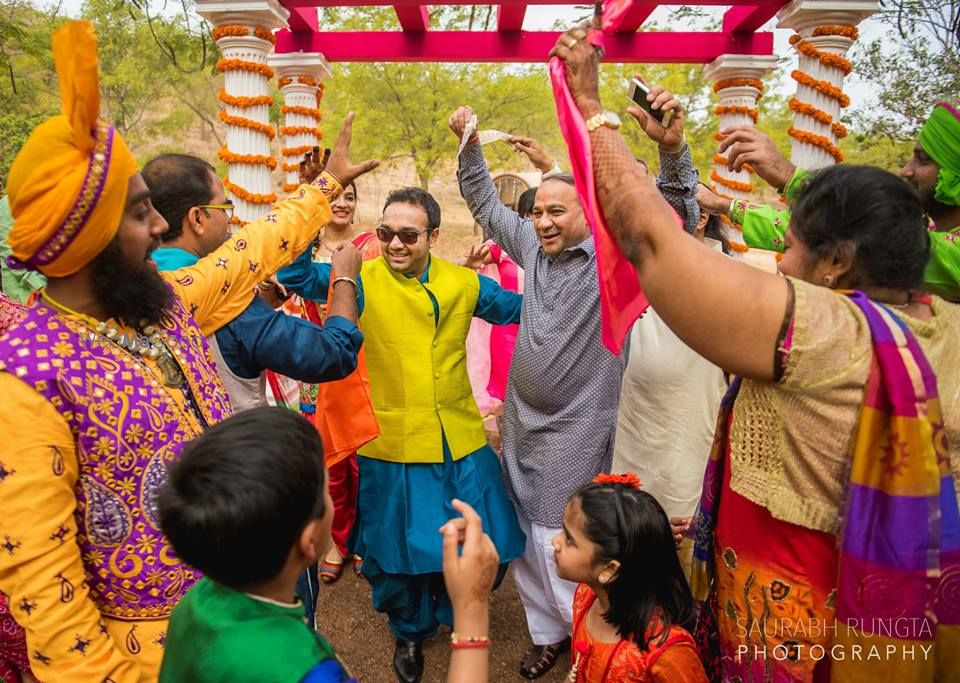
x=674, y=659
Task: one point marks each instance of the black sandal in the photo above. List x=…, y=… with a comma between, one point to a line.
x=539, y=659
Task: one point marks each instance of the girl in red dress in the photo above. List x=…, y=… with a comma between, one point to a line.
x=633, y=607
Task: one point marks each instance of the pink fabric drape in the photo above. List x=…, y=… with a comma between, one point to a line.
x=503, y=337
x=621, y=299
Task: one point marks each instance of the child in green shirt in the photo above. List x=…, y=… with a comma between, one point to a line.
x=247, y=504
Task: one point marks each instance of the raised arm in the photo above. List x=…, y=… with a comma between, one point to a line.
x=689, y=285
x=678, y=178
x=501, y=224
x=218, y=287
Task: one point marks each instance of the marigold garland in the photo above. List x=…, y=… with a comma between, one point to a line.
x=290, y=168
x=838, y=129
x=826, y=58
x=230, y=30
x=290, y=187
x=251, y=197
x=723, y=161
x=243, y=102
x=818, y=115
x=732, y=184
x=264, y=34
x=312, y=112
x=719, y=137
x=738, y=83
x=300, y=130
x=817, y=141
x=242, y=122
x=737, y=109
x=244, y=65
x=235, y=220
x=850, y=32
x=251, y=159
x=305, y=80
x=296, y=151
x=824, y=87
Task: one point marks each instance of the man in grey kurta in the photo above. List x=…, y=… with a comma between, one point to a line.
x=560, y=409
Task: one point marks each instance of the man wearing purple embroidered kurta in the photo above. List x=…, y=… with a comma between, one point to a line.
x=106, y=378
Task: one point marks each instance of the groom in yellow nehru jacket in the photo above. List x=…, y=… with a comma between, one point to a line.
x=104, y=381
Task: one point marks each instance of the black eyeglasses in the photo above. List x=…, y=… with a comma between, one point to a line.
x=386, y=235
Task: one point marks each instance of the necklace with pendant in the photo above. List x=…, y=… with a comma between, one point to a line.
x=146, y=341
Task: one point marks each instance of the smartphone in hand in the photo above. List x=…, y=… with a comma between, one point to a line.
x=638, y=95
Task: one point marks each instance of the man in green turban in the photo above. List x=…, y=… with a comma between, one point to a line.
x=934, y=172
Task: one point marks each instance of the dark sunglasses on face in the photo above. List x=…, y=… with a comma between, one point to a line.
x=386, y=235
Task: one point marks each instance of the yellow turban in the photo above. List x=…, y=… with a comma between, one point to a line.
x=68, y=185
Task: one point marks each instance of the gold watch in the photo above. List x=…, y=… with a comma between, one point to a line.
x=604, y=118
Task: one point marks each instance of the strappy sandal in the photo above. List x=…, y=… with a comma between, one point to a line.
x=539, y=659
x=358, y=566
x=329, y=571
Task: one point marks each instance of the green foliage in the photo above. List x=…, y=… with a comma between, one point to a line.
x=912, y=67
x=14, y=130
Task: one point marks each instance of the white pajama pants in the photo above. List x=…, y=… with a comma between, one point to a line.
x=547, y=599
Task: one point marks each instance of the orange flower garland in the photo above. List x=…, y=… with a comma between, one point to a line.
x=737, y=109
x=251, y=197
x=300, y=130
x=838, y=129
x=817, y=141
x=850, y=32
x=244, y=65
x=312, y=112
x=290, y=187
x=824, y=87
x=252, y=159
x=826, y=58
x=264, y=34
x=290, y=168
x=811, y=111
x=732, y=184
x=242, y=122
x=230, y=30
x=244, y=102
x=296, y=151
x=738, y=83
x=723, y=161
x=306, y=80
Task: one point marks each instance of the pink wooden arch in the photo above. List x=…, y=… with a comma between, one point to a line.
x=417, y=43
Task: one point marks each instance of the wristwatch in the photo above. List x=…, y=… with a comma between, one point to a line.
x=604, y=118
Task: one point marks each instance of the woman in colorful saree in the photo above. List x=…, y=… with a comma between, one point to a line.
x=828, y=538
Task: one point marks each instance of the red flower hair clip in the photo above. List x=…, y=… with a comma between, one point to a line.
x=629, y=479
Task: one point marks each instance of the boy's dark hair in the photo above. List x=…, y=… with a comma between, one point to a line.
x=526, y=201
x=177, y=183
x=628, y=525
x=872, y=211
x=417, y=197
x=242, y=492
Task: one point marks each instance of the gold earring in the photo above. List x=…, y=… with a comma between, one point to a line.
x=828, y=280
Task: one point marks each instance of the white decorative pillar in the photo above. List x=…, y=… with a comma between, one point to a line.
x=243, y=30
x=301, y=76
x=738, y=82
x=825, y=30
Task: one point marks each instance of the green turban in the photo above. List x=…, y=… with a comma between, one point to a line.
x=940, y=138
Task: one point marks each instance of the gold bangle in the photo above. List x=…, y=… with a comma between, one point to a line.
x=344, y=278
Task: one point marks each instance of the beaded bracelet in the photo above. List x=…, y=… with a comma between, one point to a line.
x=458, y=642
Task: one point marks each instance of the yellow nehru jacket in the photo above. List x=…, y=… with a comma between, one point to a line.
x=68, y=185
x=418, y=369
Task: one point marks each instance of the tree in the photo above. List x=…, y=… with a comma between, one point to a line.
x=915, y=65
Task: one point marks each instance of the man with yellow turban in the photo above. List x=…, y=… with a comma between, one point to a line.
x=934, y=172
x=106, y=378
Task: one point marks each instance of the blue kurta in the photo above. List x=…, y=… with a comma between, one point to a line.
x=263, y=339
x=401, y=506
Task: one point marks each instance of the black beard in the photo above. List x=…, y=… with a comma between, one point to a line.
x=130, y=294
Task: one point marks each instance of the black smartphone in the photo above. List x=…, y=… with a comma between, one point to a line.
x=638, y=95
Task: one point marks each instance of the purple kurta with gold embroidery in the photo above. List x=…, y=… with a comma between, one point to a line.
x=127, y=428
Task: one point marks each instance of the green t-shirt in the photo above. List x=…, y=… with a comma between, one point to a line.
x=218, y=634
x=764, y=227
